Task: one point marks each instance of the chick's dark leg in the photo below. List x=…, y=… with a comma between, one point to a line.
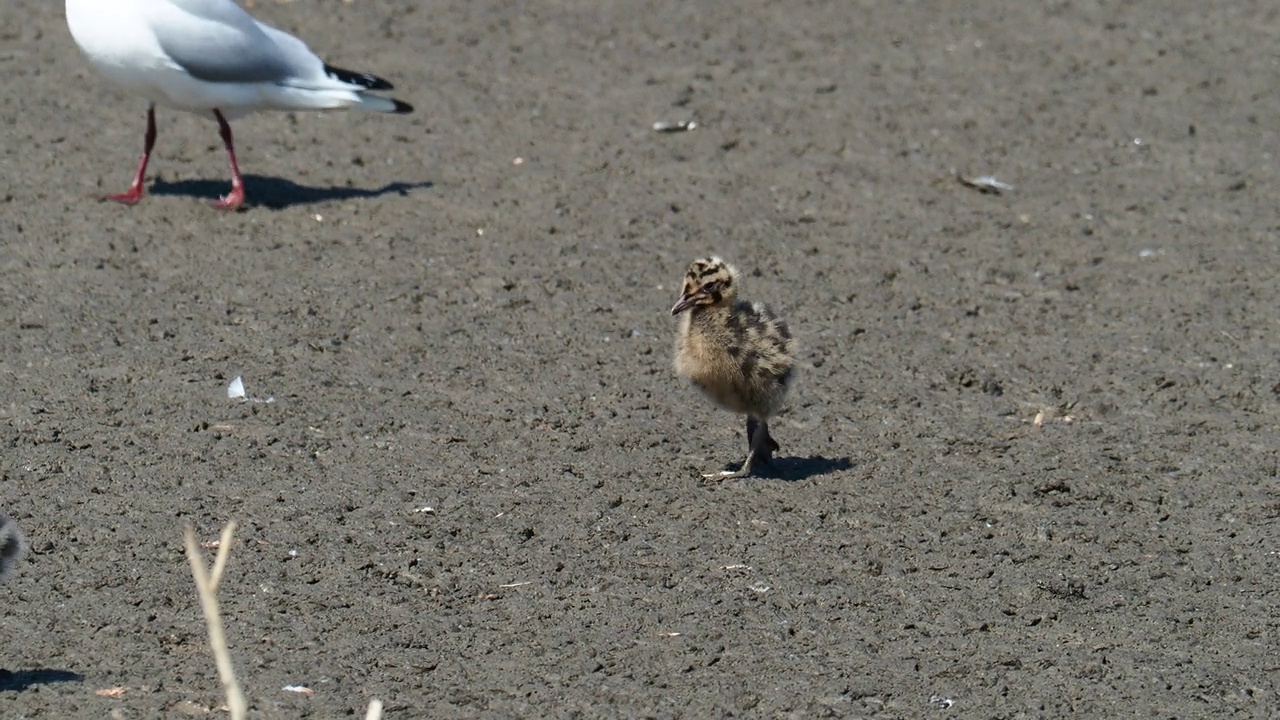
x=762, y=447
x=771, y=446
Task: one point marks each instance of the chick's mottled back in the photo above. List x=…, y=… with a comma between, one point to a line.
x=740, y=353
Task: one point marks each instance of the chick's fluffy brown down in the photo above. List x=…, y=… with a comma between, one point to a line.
x=12, y=545
x=740, y=355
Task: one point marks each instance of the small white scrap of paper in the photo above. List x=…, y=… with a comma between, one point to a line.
x=235, y=391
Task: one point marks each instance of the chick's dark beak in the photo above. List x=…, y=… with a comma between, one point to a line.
x=685, y=302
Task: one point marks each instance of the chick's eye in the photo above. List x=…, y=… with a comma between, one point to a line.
x=714, y=286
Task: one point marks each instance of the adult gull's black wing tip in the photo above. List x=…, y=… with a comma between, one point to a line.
x=359, y=79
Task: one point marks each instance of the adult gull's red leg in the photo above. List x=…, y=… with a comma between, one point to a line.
x=134, y=193
x=234, y=199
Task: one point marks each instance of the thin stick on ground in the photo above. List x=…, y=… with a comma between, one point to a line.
x=207, y=589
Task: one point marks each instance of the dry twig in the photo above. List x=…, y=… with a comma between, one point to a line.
x=207, y=588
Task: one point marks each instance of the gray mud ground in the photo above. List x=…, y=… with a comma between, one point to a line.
x=442, y=327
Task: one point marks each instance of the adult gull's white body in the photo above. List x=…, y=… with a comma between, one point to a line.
x=210, y=56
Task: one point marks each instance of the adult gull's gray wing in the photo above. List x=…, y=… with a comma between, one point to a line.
x=216, y=41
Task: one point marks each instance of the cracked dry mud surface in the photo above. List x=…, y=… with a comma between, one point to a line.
x=443, y=328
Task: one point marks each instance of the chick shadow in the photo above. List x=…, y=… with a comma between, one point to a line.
x=794, y=469
x=25, y=679
x=276, y=193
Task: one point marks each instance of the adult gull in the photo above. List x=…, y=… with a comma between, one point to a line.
x=210, y=56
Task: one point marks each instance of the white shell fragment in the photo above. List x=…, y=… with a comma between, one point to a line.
x=666, y=126
x=985, y=184
x=235, y=391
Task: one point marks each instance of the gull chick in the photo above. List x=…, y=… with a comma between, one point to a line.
x=739, y=353
x=211, y=57
x=12, y=546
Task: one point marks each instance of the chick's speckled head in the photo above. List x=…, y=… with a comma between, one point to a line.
x=709, y=282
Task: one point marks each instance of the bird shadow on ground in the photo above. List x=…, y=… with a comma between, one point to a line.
x=23, y=679
x=277, y=193
x=793, y=469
